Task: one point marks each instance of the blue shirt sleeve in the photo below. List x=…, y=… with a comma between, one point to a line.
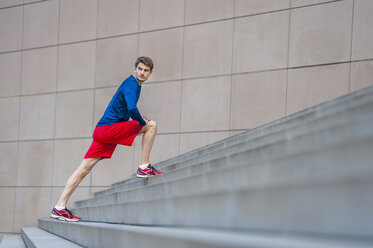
x=131, y=100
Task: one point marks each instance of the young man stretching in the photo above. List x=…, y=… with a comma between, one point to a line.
x=115, y=128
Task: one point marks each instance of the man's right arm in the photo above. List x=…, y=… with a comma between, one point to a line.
x=130, y=98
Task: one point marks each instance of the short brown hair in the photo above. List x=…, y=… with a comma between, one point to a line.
x=146, y=61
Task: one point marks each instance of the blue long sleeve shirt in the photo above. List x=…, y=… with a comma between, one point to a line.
x=123, y=105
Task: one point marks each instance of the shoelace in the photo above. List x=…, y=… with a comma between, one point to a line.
x=153, y=169
x=70, y=212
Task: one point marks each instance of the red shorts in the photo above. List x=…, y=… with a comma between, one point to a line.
x=106, y=138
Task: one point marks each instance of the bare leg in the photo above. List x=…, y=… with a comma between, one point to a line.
x=149, y=131
x=75, y=179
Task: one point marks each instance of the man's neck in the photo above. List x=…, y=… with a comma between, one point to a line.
x=139, y=82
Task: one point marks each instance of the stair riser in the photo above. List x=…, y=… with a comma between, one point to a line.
x=116, y=237
x=28, y=242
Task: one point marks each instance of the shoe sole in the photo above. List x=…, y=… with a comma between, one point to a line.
x=143, y=176
x=62, y=218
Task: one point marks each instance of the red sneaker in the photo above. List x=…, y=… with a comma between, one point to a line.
x=148, y=172
x=64, y=214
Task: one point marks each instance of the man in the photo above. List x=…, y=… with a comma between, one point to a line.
x=115, y=128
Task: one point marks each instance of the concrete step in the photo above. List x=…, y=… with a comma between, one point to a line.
x=115, y=235
x=37, y=238
x=284, y=128
x=338, y=129
x=12, y=241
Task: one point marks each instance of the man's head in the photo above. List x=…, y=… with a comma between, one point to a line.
x=143, y=68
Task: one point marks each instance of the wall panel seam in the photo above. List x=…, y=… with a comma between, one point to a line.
x=22, y=4
x=287, y=63
x=351, y=43
x=94, y=90
x=182, y=81
x=55, y=98
x=232, y=73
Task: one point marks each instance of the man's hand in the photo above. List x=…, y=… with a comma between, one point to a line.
x=146, y=119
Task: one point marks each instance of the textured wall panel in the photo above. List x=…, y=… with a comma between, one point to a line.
x=361, y=75
x=250, y=7
x=9, y=163
x=39, y=71
x=310, y=86
x=208, y=49
x=78, y=20
x=115, y=60
x=261, y=42
x=362, y=47
x=161, y=14
x=74, y=114
x=37, y=117
x=320, y=34
x=165, y=48
x=41, y=24
x=116, y=17
x=7, y=205
x=9, y=118
x=11, y=29
x=257, y=98
x=76, y=66
x=35, y=164
x=206, y=104
x=208, y=10
x=10, y=74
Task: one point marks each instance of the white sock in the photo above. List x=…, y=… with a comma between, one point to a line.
x=59, y=208
x=143, y=166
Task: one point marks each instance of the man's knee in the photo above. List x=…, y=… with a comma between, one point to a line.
x=152, y=124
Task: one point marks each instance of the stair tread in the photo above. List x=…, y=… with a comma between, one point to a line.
x=41, y=238
x=12, y=241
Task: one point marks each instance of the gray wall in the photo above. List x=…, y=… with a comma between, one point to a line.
x=221, y=67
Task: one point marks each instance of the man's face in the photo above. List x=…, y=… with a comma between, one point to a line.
x=142, y=72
